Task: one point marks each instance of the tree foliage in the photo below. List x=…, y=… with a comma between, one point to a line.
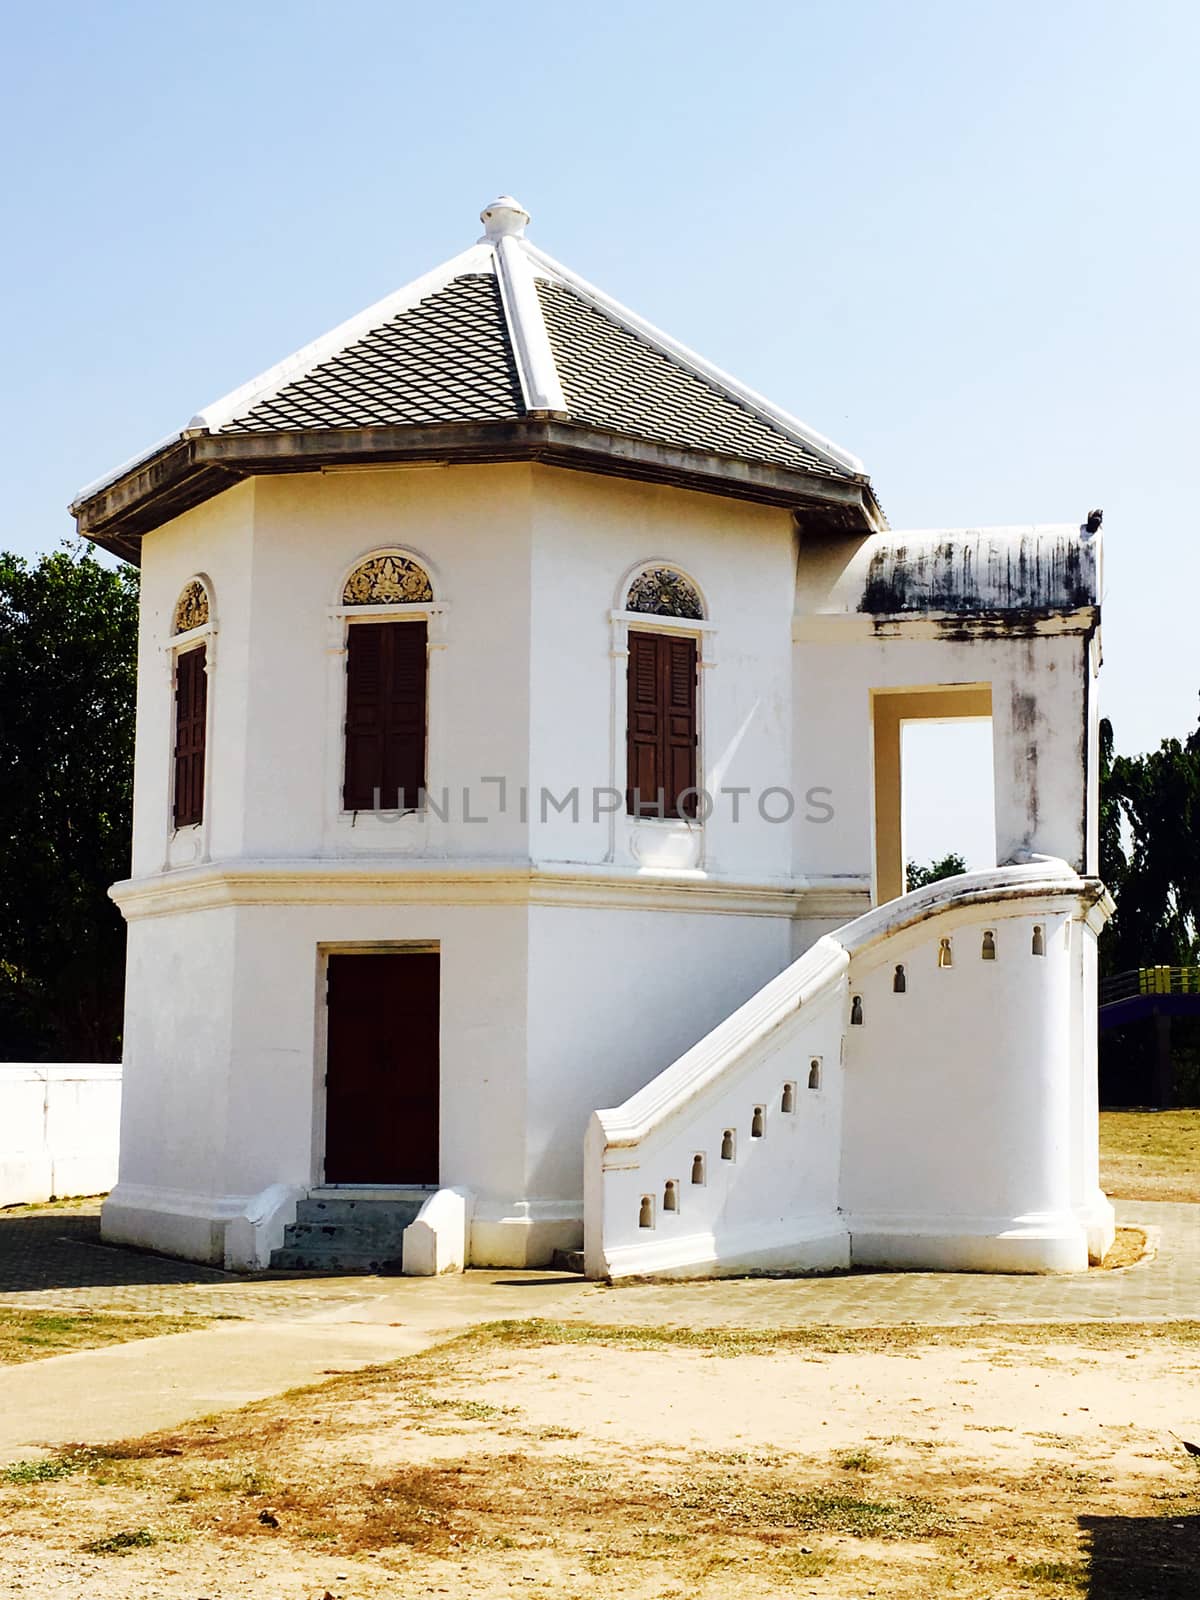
x=68, y=644
x=947, y=866
x=1149, y=826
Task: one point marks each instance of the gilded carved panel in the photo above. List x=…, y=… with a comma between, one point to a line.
x=387, y=581
x=191, y=609
x=659, y=592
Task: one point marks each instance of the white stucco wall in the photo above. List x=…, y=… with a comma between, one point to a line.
x=581, y=952
x=275, y=552
x=59, y=1129
x=225, y=1073
x=214, y=541
x=954, y=1128
x=982, y=1048
x=1013, y=608
x=471, y=528
x=527, y=669
x=767, y=1199
x=544, y=1009
x=590, y=534
x=1039, y=690
x=614, y=997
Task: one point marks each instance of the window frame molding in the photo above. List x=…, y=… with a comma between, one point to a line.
x=189, y=845
x=348, y=832
x=655, y=843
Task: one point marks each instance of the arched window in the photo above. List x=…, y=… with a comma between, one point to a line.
x=386, y=685
x=192, y=611
x=662, y=728
x=663, y=592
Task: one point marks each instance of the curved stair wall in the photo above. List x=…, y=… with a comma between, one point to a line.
x=917, y=1090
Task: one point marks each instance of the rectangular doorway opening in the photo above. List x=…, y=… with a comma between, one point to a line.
x=934, y=786
x=382, y=1074
x=947, y=797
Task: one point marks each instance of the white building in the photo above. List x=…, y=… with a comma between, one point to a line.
x=446, y=620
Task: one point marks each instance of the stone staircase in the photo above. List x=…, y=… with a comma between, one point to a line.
x=339, y=1230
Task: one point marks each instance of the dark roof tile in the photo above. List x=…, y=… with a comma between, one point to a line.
x=446, y=359
x=614, y=379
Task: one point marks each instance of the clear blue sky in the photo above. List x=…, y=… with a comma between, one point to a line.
x=961, y=238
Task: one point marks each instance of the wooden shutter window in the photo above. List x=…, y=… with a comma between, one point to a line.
x=386, y=681
x=191, y=723
x=662, y=726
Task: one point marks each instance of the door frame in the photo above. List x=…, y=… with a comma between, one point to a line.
x=890, y=709
x=355, y=947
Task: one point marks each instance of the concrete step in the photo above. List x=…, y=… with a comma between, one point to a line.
x=347, y=1262
x=348, y=1233
x=370, y=1238
x=337, y=1208
x=314, y=1215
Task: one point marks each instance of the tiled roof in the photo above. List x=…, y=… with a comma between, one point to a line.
x=616, y=380
x=506, y=354
x=448, y=359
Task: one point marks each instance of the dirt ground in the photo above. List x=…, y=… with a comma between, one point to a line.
x=1150, y=1155
x=586, y=1462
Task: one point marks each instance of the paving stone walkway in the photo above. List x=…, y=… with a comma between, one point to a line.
x=54, y=1260
x=1164, y=1287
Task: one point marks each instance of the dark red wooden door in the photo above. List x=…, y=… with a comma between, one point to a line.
x=382, y=1078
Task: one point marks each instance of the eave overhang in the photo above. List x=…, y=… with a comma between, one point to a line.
x=198, y=465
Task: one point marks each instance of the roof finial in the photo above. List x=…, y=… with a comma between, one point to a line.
x=504, y=218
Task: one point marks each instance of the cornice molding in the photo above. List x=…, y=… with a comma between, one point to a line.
x=388, y=882
x=197, y=466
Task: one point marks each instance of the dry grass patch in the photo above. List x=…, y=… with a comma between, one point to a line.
x=1126, y=1250
x=1150, y=1155
x=75, y=1202
x=734, y=1464
x=32, y=1335
x=830, y=1340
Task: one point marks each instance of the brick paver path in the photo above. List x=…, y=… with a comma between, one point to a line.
x=54, y=1260
x=1162, y=1289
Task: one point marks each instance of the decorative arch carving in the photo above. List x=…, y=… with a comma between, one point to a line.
x=663, y=592
x=192, y=607
x=389, y=579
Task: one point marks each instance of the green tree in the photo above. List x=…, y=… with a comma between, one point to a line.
x=68, y=645
x=1149, y=828
x=1149, y=820
x=949, y=866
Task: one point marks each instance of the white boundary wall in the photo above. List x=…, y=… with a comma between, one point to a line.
x=59, y=1130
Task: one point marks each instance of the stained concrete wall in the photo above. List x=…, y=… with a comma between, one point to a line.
x=1012, y=611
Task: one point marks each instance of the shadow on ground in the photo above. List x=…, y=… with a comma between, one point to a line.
x=62, y=1250
x=1143, y=1558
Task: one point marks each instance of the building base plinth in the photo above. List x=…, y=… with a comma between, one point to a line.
x=822, y=1247
x=1099, y=1222
x=234, y=1232
x=524, y=1234
x=1033, y=1244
